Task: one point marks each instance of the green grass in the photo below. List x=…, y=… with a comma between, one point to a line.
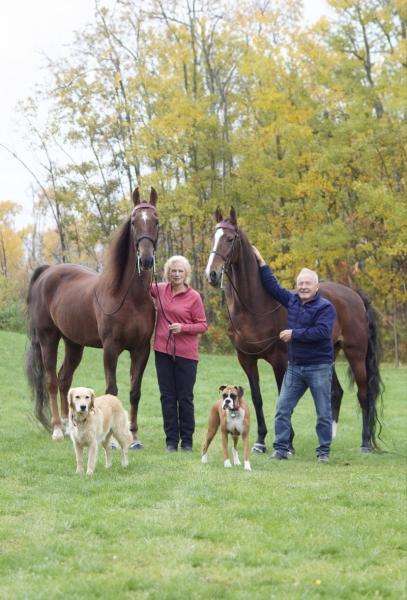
x=169, y=527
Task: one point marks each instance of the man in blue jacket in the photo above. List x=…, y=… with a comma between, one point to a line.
x=310, y=356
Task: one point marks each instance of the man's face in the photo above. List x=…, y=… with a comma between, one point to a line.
x=307, y=286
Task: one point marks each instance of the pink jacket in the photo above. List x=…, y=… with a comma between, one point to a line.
x=185, y=308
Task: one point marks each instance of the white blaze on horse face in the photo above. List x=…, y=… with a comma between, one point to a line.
x=144, y=215
x=218, y=234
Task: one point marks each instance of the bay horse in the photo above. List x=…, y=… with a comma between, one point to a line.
x=112, y=310
x=256, y=319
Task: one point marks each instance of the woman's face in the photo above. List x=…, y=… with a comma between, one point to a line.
x=177, y=273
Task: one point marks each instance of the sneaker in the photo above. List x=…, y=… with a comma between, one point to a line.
x=323, y=458
x=171, y=448
x=278, y=456
x=186, y=448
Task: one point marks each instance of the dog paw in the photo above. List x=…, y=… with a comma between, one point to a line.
x=247, y=466
x=204, y=459
x=227, y=464
x=89, y=472
x=79, y=471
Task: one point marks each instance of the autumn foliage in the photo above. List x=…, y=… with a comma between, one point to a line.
x=302, y=129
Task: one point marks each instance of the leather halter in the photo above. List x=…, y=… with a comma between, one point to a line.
x=144, y=205
x=226, y=259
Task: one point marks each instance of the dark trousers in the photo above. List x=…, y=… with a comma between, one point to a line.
x=176, y=380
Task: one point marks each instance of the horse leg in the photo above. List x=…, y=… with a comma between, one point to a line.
x=110, y=357
x=336, y=400
x=49, y=349
x=139, y=360
x=358, y=367
x=249, y=365
x=73, y=356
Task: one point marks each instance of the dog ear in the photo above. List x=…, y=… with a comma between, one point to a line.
x=240, y=392
x=92, y=399
x=222, y=387
x=70, y=396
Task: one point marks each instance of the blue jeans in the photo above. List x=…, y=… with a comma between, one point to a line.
x=297, y=380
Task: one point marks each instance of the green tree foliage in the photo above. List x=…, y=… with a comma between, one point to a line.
x=303, y=130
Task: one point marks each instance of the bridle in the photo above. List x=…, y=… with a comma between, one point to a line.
x=137, y=266
x=226, y=259
x=145, y=205
x=269, y=341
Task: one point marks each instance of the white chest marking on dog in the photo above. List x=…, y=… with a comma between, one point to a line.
x=218, y=235
x=144, y=215
x=235, y=423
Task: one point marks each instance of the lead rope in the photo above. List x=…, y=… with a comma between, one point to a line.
x=170, y=333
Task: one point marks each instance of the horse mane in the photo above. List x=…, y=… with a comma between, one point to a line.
x=117, y=257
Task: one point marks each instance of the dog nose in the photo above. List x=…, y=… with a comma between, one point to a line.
x=83, y=407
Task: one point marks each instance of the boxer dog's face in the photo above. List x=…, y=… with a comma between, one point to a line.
x=231, y=395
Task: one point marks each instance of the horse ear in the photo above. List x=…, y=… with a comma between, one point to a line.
x=240, y=391
x=218, y=215
x=232, y=217
x=136, y=196
x=153, y=197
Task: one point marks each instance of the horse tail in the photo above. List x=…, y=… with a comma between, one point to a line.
x=35, y=370
x=375, y=386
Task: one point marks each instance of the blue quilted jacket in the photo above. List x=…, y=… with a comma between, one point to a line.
x=311, y=323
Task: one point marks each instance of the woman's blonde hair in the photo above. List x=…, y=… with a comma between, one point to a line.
x=185, y=263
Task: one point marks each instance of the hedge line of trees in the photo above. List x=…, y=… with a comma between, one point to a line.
x=302, y=129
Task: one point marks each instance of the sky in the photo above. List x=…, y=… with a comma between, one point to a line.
x=31, y=30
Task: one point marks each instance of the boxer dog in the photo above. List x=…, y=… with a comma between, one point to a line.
x=232, y=414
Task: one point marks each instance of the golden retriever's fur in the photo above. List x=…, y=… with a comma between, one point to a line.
x=94, y=421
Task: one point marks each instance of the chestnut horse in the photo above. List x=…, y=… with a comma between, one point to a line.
x=256, y=319
x=112, y=310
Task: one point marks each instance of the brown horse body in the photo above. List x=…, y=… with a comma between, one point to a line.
x=113, y=310
x=256, y=319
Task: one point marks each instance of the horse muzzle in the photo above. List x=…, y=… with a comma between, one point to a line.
x=214, y=278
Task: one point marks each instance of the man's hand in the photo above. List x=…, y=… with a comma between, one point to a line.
x=175, y=327
x=259, y=257
x=286, y=335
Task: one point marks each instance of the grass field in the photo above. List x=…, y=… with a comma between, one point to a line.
x=169, y=527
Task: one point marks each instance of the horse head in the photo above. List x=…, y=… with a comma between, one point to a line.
x=144, y=228
x=224, y=247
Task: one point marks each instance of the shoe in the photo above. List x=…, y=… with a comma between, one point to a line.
x=323, y=458
x=171, y=448
x=278, y=456
x=186, y=448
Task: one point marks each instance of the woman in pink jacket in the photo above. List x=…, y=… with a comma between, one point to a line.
x=180, y=320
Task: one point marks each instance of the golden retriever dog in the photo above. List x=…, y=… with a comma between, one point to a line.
x=94, y=421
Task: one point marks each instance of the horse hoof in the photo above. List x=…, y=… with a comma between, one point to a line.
x=366, y=450
x=259, y=448
x=57, y=434
x=136, y=445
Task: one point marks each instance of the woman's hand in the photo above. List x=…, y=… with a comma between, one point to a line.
x=175, y=328
x=259, y=257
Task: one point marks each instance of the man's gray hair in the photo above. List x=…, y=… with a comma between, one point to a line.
x=306, y=271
